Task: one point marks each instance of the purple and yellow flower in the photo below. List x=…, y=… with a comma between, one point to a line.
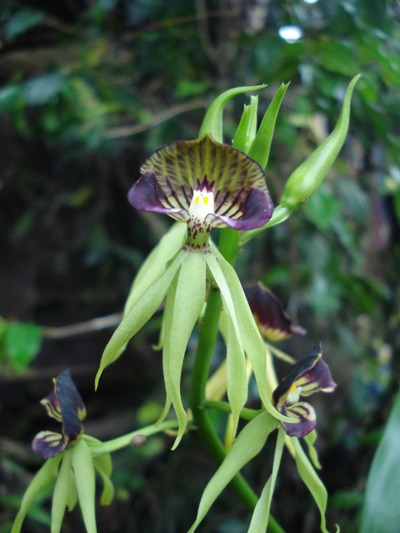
x=311, y=374
x=272, y=321
x=64, y=404
x=205, y=184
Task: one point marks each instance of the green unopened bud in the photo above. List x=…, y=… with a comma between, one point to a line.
x=307, y=178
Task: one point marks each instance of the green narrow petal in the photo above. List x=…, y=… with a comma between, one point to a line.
x=144, y=308
x=307, y=178
x=259, y=520
x=312, y=451
x=156, y=263
x=251, y=338
x=262, y=143
x=246, y=131
x=188, y=302
x=44, y=476
x=312, y=481
x=212, y=121
x=103, y=465
x=60, y=493
x=72, y=492
x=167, y=332
x=82, y=464
x=249, y=443
x=107, y=494
x=236, y=375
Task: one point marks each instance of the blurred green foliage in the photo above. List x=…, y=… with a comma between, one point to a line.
x=87, y=89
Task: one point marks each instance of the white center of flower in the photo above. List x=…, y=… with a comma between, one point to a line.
x=202, y=204
x=294, y=394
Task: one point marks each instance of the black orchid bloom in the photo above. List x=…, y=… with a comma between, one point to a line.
x=311, y=374
x=65, y=404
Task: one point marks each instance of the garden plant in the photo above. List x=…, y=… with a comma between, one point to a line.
x=218, y=196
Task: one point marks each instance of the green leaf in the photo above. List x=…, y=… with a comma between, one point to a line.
x=138, y=314
x=381, y=510
x=262, y=143
x=249, y=443
x=246, y=131
x=212, y=121
x=312, y=481
x=307, y=178
x=259, y=520
x=22, y=344
x=43, y=88
x=61, y=492
x=22, y=21
x=82, y=464
x=44, y=476
x=184, y=310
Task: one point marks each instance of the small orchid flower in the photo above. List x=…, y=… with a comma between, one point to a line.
x=272, y=321
x=309, y=375
x=65, y=405
x=72, y=461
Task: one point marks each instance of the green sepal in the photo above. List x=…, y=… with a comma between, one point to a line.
x=182, y=313
x=46, y=475
x=261, y=146
x=156, y=263
x=103, y=466
x=307, y=178
x=259, y=520
x=82, y=464
x=237, y=386
x=242, y=318
x=145, y=306
x=61, y=493
x=212, y=121
x=312, y=481
x=312, y=451
x=247, y=128
x=248, y=444
x=381, y=508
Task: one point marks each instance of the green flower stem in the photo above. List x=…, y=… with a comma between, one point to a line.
x=246, y=414
x=126, y=440
x=229, y=247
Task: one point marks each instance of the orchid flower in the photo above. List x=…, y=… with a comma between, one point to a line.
x=71, y=461
x=202, y=184
x=309, y=375
x=65, y=404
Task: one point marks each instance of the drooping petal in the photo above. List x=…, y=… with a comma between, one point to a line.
x=48, y=444
x=307, y=419
x=272, y=321
x=173, y=173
